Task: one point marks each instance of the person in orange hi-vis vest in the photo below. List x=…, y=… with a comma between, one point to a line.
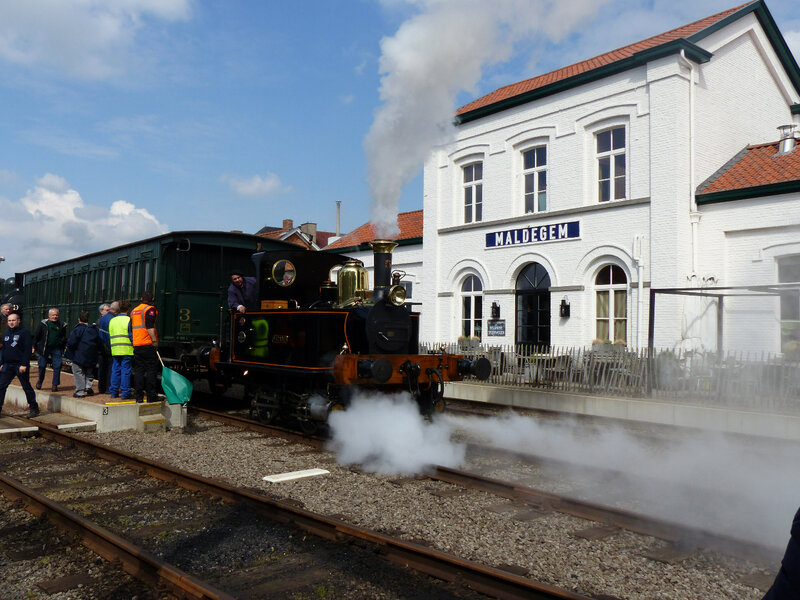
x=145, y=345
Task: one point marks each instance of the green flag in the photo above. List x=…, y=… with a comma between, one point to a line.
x=177, y=388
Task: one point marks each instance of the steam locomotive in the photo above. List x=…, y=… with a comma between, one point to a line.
x=310, y=345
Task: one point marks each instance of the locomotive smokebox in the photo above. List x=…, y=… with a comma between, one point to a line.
x=382, y=254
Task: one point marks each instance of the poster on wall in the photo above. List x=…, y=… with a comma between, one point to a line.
x=496, y=327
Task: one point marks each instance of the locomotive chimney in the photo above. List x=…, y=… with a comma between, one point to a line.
x=382, y=254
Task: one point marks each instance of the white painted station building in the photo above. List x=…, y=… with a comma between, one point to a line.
x=565, y=198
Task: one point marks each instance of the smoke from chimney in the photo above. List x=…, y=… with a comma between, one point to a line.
x=433, y=56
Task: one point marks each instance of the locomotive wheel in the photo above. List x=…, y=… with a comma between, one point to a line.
x=265, y=405
x=309, y=427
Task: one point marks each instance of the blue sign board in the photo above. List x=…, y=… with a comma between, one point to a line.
x=534, y=235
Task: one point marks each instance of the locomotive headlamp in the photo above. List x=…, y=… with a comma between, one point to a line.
x=397, y=295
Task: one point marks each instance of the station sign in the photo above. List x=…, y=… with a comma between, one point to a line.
x=534, y=235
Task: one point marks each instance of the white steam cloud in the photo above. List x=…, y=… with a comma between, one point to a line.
x=433, y=56
x=723, y=484
x=387, y=435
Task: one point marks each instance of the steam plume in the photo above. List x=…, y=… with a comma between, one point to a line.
x=434, y=55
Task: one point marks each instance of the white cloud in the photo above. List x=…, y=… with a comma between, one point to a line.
x=87, y=39
x=256, y=185
x=52, y=223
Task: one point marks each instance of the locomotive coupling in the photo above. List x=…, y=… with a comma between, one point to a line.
x=480, y=368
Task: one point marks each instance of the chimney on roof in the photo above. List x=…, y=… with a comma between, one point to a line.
x=287, y=224
x=310, y=229
x=338, y=214
x=787, y=141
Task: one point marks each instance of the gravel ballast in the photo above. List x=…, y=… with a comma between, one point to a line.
x=472, y=524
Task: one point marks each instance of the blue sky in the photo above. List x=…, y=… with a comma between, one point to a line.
x=122, y=120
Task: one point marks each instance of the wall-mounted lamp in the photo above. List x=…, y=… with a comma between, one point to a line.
x=563, y=309
x=495, y=310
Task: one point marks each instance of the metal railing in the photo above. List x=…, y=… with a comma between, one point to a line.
x=768, y=381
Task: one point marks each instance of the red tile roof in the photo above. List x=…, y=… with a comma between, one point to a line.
x=754, y=166
x=410, y=224
x=540, y=81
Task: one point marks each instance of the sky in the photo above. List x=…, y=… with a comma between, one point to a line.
x=127, y=119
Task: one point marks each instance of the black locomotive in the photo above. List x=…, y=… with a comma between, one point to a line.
x=311, y=344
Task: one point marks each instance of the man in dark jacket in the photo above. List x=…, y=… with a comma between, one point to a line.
x=787, y=582
x=15, y=361
x=49, y=340
x=83, y=349
x=107, y=312
x=241, y=292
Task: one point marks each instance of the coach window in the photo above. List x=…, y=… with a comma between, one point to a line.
x=534, y=171
x=611, y=164
x=472, y=307
x=473, y=192
x=789, y=272
x=611, y=289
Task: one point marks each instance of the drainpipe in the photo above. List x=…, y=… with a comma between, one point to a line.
x=637, y=256
x=694, y=215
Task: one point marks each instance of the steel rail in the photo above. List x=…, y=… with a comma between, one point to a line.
x=134, y=560
x=487, y=580
x=682, y=535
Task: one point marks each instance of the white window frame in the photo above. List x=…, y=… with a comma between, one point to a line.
x=536, y=173
x=611, y=289
x=611, y=156
x=473, y=188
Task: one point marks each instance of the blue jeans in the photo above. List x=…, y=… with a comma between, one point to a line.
x=55, y=355
x=120, y=376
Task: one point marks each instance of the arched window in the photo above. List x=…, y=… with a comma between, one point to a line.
x=472, y=307
x=611, y=287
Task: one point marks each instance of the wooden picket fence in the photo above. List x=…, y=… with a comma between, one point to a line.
x=769, y=381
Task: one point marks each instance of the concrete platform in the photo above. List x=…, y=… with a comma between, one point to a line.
x=644, y=410
x=106, y=413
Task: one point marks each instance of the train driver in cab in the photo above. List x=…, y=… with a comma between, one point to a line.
x=241, y=292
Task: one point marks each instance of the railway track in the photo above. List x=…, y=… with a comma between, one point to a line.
x=172, y=513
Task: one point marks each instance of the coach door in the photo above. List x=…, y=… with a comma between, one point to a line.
x=533, y=306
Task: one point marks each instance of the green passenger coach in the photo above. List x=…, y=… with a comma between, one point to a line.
x=188, y=272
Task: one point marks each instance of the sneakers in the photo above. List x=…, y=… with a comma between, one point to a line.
x=77, y=395
x=90, y=392
x=34, y=412
x=38, y=385
x=55, y=388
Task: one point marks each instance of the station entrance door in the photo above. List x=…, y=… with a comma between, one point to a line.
x=533, y=306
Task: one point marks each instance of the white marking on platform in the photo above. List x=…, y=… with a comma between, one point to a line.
x=19, y=429
x=76, y=425
x=295, y=475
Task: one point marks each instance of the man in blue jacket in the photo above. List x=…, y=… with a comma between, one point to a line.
x=83, y=349
x=15, y=361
